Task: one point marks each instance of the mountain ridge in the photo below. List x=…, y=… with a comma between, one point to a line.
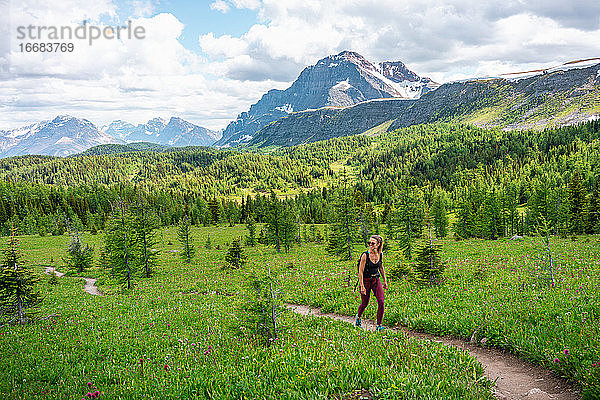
x=337, y=80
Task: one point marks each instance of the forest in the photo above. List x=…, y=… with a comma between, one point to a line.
x=494, y=183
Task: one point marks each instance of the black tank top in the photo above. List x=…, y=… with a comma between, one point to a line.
x=371, y=269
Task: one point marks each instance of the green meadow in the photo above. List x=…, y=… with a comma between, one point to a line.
x=174, y=336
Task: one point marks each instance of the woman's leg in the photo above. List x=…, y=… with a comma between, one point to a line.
x=379, y=295
x=364, y=297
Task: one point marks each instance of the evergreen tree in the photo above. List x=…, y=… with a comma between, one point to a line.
x=235, y=254
x=215, y=211
x=577, y=196
x=343, y=228
x=288, y=228
x=208, y=244
x=251, y=226
x=145, y=224
x=17, y=284
x=80, y=256
x=593, y=212
x=120, y=243
x=259, y=313
x=185, y=238
x=428, y=265
x=275, y=222
x=406, y=222
x=440, y=215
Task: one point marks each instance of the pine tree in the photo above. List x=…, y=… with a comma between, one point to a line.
x=80, y=256
x=208, y=244
x=259, y=313
x=428, y=265
x=17, y=284
x=593, y=212
x=251, y=226
x=145, y=224
x=235, y=254
x=440, y=216
x=185, y=238
x=288, y=228
x=275, y=222
x=215, y=211
x=120, y=242
x=343, y=228
x=577, y=196
x=406, y=222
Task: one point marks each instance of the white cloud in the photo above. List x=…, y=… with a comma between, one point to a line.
x=142, y=8
x=220, y=5
x=137, y=80
x=445, y=39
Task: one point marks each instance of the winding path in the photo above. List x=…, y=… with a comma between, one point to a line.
x=90, y=283
x=515, y=379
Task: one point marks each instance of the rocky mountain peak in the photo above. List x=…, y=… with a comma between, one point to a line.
x=339, y=80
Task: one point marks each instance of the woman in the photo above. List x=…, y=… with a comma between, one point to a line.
x=369, y=272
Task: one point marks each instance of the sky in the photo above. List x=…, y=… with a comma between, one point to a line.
x=206, y=61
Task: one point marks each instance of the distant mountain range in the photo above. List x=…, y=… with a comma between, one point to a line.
x=549, y=99
x=341, y=95
x=66, y=135
x=62, y=136
x=176, y=132
x=339, y=80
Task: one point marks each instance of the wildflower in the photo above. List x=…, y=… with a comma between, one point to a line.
x=166, y=367
x=96, y=394
x=89, y=384
x=566, y=352
x=556, y=360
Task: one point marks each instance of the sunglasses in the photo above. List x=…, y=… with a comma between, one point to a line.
x=372, y=243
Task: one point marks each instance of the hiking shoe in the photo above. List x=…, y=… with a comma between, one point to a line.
x=380, y=328
x=357, y=323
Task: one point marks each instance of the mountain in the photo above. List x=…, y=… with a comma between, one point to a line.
x=175, y=132
x=555, y=98
x=339, y=80
x=63, y=136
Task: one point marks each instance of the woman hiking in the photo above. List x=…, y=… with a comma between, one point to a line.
x=369, y=272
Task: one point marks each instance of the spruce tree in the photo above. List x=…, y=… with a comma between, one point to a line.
x=406, y=222
x=235, y=254
x=429, y=266
x=145, y=224
x=185, y=238
x=208, y=244
x=18, y=294
x=440, y=216
x=80, y=256
x=288, y=228
x=577, y=196
x=275, y=222
x=343, y=229
x=251, y=226
x=120, y=243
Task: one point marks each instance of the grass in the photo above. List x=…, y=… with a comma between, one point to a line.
x=171, y=337
x=492, y=290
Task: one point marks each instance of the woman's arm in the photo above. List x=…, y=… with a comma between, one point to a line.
x=361, y=269
x=382, y=272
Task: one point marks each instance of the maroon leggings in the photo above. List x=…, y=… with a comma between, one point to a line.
x=373, y=284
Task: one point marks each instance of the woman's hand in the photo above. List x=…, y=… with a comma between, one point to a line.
x=384, y=284
x=363, y=290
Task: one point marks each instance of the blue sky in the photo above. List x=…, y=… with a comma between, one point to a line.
x=207, y=61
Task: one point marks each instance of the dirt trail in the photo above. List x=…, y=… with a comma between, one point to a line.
x=516, y=379
x=90, y=283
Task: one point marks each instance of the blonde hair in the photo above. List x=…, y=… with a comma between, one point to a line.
x=379, y=242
